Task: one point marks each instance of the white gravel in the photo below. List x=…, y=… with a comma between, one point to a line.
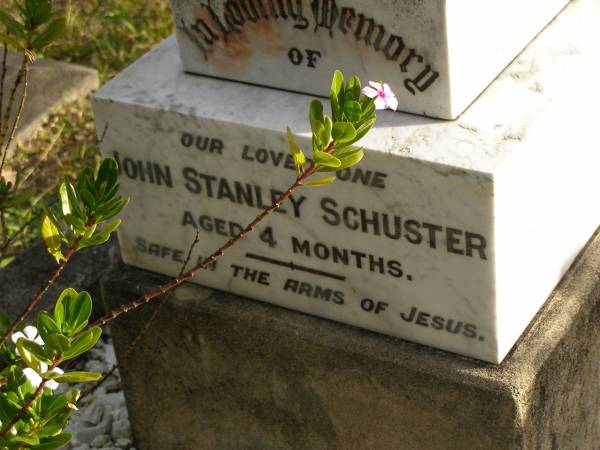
x=102, y=421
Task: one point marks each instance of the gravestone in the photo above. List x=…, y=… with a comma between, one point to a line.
x=449, y=233
x=225, y=372
x=439, y=54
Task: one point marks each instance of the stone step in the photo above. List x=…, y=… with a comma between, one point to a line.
x=450, y=234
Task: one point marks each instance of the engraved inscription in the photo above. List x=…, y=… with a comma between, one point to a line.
x=209, y=28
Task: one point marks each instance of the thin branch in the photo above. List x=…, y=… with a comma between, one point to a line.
x=11, y=101
x=33, y=398
x=216, y=255
x=146, y=326
x=36, y=299
x=103, y=135
x=24, y=73
x=3, y=79
x=42, y=157
x=3, y=231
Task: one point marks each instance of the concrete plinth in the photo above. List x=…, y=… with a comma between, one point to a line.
x=51, y=84
x=222, y=372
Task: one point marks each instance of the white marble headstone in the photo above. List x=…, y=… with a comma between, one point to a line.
x=450, y=234
x=440, y=54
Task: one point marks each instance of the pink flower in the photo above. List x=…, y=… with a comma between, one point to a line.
x=383, y=95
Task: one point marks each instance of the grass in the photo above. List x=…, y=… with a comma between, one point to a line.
x=110, y=34
x=107, y=35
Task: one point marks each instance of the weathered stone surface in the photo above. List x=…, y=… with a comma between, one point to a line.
x=438, y=55
x=222, y=372
x=51, y=83
x=23, y=278
x=437, y=219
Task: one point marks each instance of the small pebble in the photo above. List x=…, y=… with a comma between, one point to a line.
x=102, y=416
x=101, y=441
x=121, y=429
x=123, y=442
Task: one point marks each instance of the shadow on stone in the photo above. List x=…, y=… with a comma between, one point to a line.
x=218, y=371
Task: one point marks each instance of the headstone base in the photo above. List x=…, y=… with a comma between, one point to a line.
x=218, y=371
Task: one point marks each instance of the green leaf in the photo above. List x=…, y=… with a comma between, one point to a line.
x=326, y=160
x=319, y=182
x=316, y=115
x=337, y=83
x=75, y=222
x=64, y=199
x=52, y=238
x=79, y=310
x=343, y=132
x=73, y=200
x=108, y=173
x=110, y=193
x=100, y=238
x=46, y=325
x=58, y=342
x=368, y=109
x=364, y=129
x=52, y=217
x=12, y=26
x=49, y=34
x=109, y=206
x=325, y=131
x=27, y=356
x=351, y=158
x=37, y=350
x=353, y=89
x=77, y=377
x=88, y=199
x=348, y=156
x=8, y=410
x=352, y=110
x=35, y=12
x=51, y=443
x=297, y=154
x=83, y=343
x=30, y=441
x=59, y=314
x=61, y=307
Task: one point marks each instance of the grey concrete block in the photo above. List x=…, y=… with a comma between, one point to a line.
x=223, y=372
x=22, y=278
x=51, y=83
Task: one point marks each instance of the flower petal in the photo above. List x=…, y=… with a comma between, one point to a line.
x=377, y=86
x=16, y=336
x=32, y=376
x=380, y=103
x=387, y=90
x=370, y=92
x=392, y=103
x=31, y=332
x=51, y=384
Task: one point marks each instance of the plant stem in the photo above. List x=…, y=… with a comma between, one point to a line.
x=3, y=232
x=2, y=79
x=144, y=329
x=33, y=398
x=216, y=255
x=36, y=299
x=22, y=77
